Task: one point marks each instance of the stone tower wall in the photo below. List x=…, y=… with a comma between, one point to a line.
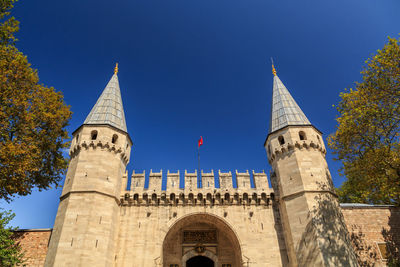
x=87, y=217
x=315, y=233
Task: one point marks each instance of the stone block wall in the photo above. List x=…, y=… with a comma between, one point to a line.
x=370, y=226
x=153, y=219
x=34, y=244
x=143, y=229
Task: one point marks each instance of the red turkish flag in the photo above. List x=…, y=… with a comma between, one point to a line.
x=200, y=141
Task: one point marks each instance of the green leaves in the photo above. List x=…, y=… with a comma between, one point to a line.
x=10, y=251
x=367, y=137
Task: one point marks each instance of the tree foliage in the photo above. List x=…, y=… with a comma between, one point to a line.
x=367, y=137
x=33, y=118
x=10, y=251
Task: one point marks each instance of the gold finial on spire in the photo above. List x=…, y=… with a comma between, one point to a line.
x=116, y=68
x=273, y=67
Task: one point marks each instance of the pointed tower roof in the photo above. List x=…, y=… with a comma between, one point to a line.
x=108, y=108
x=284, y=110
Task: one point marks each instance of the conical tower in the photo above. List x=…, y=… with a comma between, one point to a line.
x=108, y=109
x=84, y=232
x=314, y=230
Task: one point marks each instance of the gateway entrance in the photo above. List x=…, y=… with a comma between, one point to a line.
x=201, y=240
x=199, y=261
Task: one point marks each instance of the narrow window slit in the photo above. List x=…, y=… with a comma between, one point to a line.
x=94, y=135
x=302, y=136
x=281, y=140
x=114, y=139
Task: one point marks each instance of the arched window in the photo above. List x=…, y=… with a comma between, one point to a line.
x=319, y=140
x=94, y=135
x=236, y=196
x=302, y=135
x=269, y=149
x=114, y=139
x=77, y=137
x=227, y=196
x=281, y=140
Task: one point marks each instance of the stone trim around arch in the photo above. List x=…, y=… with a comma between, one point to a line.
x=172, y=224
x=210, y=218
x=192, y=253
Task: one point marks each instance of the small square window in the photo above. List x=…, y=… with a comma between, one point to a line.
x=383, y=249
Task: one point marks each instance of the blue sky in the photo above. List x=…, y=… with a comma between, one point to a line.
x=192, y=68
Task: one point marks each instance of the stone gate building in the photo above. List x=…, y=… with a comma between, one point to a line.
x=297, y=222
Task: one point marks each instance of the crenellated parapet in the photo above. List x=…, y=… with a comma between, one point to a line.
x=97, y=138
x=98, y=144
x=300, y=145
x=291, y=139
x=187, y=190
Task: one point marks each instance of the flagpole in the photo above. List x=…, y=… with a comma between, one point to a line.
x=198, y=170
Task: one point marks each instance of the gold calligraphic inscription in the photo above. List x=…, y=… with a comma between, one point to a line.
x=200, y=236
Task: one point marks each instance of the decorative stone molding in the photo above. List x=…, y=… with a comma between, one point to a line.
x=284, y=149
x=74, y=151
x=194, y=253
x=196, y=199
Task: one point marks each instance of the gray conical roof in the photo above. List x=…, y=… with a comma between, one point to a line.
x=284, y=110
x=108, y=108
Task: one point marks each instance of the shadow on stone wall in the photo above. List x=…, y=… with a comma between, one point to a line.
x=279, y=230
x=366, y=248
x=326, y=240
x=392, y=237
x=365, y=251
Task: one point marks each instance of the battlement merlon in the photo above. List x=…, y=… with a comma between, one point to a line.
x=209, y=180
x=190, y=193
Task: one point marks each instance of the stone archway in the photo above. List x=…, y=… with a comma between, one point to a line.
x=201, y=234
x=199, y=261
x=193, y=254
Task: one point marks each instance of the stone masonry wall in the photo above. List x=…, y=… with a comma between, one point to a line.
x=245, y=215
x=369, y=226
x=34, y=243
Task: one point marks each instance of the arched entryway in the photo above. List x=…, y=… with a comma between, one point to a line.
x=199, y=261
x=201, y=237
